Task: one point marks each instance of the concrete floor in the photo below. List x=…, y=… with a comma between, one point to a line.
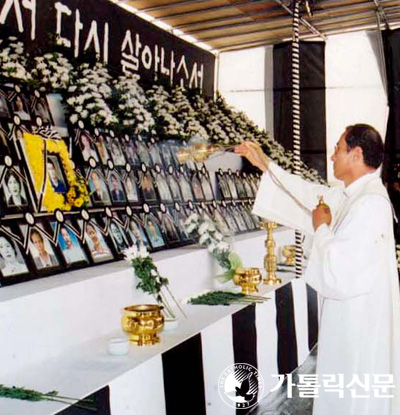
x=277, y=403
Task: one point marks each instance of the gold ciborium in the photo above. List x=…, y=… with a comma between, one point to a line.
x=248, y=279
x=143, y=322
x=289, y=252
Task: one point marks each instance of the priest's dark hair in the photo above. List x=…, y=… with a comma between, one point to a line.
x=369, y=140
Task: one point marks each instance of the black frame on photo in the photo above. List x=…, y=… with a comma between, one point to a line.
x=164, y=191
x=197, y=189
x=14, y=200
x=99, y=193
x=174, y=187
x=102, y=148
x=131, y=152
x=170, y=231
x=20, y=106
x=5, y=109
x=71, y=246
x=115, y=150
x=185, y=188
x=39, y=108
x=232, y=186
x=86, y=145
x=116, y=188
x=118, y=238
x=96, y=242
x=136, y=230
x=155, y=155
x=154, y=233
x=132, y=188
x=207, y=187
x=57, y=112
x=143, y=153
x=147, y=187
x=42, y=249
x=15, y=267
x=223, y=186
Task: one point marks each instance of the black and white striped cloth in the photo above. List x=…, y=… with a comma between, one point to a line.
x=275, y=337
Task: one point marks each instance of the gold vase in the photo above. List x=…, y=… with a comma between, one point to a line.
x=143, y=323
x=247, y=279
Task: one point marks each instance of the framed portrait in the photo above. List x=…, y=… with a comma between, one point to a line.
x=251, y=225
x=174, y=186
x=87, y=146
x=237, y=214
x=232, y=187
x=40, y=109
x=207, y=188
x=197, y=189
x=56, y=174
x=4, y=140
x=230, y=220
x=186, y=189
x=4, y=108
x=95, y=240
x=116, y=188
x=116, y=152
x=101, y=145
x=131, y=153
x=167, y=157
x=241, y=191
x=163, y=189
x=56, y=108
x=136, y=232
x=118, y=237
x=13, y=189
x=143, y=153
x=254, y=183
x=153, y=232
x=98, y=189
x=220, y=221
x=20, y=106
x=223, y=185
x=41, y=248
x=155, y=154
x=169, y=229
x=70, y=245
x=13, y=264
x=247, y=187
x=131, y=188
x=147, y=187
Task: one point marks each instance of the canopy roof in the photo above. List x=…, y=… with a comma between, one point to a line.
x=238, y=24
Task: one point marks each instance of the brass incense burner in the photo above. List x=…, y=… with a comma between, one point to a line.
x=270, y=259
x=247, y=279
x=143, y=323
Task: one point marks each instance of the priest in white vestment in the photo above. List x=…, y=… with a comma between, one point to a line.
x=352, y=266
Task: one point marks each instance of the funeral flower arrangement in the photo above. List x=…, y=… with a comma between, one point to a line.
x=13, y=60
x=208, y=235
x=89, y=92
x=52, y=71
x=150, y=280
x=131, y=104
x=100, y=100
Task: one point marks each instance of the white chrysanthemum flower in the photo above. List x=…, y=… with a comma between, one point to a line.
x=131, y=253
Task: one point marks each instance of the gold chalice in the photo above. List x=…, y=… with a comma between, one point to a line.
x=289, y=252
x=143, y=322
x=248, y=279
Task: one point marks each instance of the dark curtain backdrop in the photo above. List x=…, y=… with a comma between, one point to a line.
x=312, y=101
x=391, y=42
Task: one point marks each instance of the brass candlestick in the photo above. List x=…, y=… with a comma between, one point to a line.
x=270, y=260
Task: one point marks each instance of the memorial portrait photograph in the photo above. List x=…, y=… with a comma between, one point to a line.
x=116, y=152
x=248, y=188
x=241, y=191
x=70, y=245
x=13, y=189
x=143, y=153
x=20, y=107
x=19, y=132
x=86, y=144
x=186, y=190
x=98, y=247
x=207, y=189
x=167, y=157
x=174, y=186
x=55, y=105
x=131, y=153
x=232, y=188
x=116, y=189
x=148, y=191
x=98, y=189
x=4, y=110
x=41, y=110
x=40, y=248
x=197, y=189
x=220, y=222
x=155, y=155
x=4, y=148
x=137, y=234
x=154, y=233
x=163, y=188
x=101, y=145
x=55, y=174
x=170, y=231
x=223, y=186
x=118, y=237
x=132, y=193
x=12, y=262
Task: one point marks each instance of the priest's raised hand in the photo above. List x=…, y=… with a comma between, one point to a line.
x=253, y=152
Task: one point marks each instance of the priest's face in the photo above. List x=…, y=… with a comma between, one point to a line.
x=342, y=159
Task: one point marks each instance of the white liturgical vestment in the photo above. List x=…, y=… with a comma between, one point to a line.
x=352, y=266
